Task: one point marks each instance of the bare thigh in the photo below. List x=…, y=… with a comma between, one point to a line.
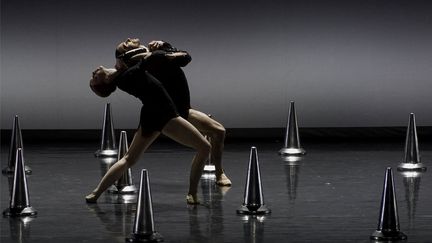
x=140, y=143
x=204, y=123
x=183, y=132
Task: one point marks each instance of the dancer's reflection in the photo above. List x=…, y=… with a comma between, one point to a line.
x=118, y=222
x=207, y=225
x=195, y=235
x=213, y=197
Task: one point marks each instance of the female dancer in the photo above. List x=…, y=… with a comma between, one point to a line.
x=158, y=115
x=165, y=64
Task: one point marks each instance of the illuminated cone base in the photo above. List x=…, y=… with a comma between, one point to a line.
x=291, y=151
x=209, y=168
x=106, y=153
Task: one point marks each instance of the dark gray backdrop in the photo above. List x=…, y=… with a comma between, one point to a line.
x=344, y=63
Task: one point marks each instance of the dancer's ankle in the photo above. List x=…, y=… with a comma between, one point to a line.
x=92, y=197
x=192, y=199
x=223, y=180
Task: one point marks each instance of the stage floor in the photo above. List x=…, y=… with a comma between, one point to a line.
x=332, y=195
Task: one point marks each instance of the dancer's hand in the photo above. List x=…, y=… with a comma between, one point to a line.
x=155, y=45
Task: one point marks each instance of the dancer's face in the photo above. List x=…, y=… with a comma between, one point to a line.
x=129, y=44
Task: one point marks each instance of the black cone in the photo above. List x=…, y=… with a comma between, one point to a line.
x=143, y=229
x=292, y=138
x=124, y=184
x=16, y=142
x=253, y=202
x=388, y=223
x=108, y=146
x=19, y=201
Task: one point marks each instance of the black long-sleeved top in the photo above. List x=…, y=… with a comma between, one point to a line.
x=169, y=72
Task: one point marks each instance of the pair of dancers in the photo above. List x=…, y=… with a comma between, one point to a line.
x=154, y=74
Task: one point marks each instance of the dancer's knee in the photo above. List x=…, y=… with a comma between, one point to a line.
x=221, y=132
x=218, y=133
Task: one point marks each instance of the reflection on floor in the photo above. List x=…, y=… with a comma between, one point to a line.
x=332, y=194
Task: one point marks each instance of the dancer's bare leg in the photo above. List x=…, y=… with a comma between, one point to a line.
x=185, y=133
x=216, y=132
x=139, y=144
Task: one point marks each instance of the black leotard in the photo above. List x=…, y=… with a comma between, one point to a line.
x=171, y=75
x=158, y=107
x=169, y=72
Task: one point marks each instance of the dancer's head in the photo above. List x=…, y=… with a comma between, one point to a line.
x=102, y=81
x=127, y=45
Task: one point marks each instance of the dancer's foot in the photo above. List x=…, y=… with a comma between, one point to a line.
x=223, y=180
x=91, y=198
x=192, y=199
